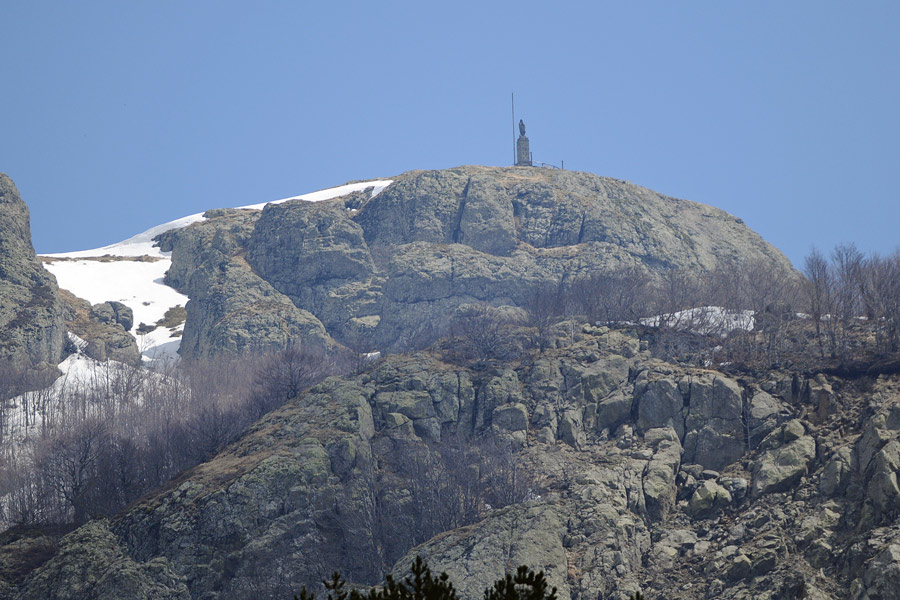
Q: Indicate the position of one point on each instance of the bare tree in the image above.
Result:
(818, 291)
(69, 464)
(481, 334)
(847, 265)
(880, 294)
(283, 375)
(620, 295)
(545, 305)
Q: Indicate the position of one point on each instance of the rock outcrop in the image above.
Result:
(32, 332)
(390, 272)
(586, 457)
(104, 327)
(231, 309)
(91, 564)
(605, 496)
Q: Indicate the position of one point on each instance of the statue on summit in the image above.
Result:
(523, 153)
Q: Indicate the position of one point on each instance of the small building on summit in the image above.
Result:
(523, 151)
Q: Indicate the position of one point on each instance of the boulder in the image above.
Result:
(613, 411)
(763, 417)
(398, 425)
(113, 313)
(100, 327)
(836, 473)
(739, 568)
(882, 488)
(708, 498)
(571, 428)
(510, 417)
(779, 468)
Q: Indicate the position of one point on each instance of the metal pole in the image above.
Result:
(515, 156)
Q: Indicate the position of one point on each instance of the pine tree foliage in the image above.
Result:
(525, 585)
(422, 585)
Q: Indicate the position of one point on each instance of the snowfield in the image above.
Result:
(139, 283)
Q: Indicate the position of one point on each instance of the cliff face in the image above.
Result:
(32, 332)
(624, 472)
(231, 309)
(390, 272)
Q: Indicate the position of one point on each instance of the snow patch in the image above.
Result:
(138, 285)
(705, 320)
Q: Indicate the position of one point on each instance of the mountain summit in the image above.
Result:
(387, 268)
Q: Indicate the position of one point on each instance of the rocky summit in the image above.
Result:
(391, 272)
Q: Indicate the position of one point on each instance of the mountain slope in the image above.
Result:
(583, 455)
(621, 472)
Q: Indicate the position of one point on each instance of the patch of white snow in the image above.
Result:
(705, 320)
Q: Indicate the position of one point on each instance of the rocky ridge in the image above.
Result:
(389, 272)
(681, 481)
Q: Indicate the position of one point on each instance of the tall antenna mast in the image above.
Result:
(515, 159)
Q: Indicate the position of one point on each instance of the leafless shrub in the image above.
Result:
(282, 375)
(545, 305)
(817, 292)
(608, 297)
(480, 334)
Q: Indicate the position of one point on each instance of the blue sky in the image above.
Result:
(117, 116)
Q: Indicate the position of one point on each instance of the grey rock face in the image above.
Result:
(390, 272)
(474, 560)
(659, 476)
(231, 308)
(611, 511)
(660, 404)
(764, 415)
(708, 498)
(713, 421)
(91, 564)
(32, 332)
(317, 256)
(233, 311)
(882, 577)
